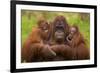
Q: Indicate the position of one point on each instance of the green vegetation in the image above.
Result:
(30, 18)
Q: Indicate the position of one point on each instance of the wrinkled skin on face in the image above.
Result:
(59, 29)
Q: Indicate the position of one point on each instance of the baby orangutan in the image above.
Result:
(76, 41)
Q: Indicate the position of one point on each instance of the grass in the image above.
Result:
(30, 18)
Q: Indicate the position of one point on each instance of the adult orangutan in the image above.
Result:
(78, 44)
(59, 28)
(58, 39)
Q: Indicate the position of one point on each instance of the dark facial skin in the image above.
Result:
(59, 29)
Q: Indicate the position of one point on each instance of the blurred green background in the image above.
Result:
(29, 20)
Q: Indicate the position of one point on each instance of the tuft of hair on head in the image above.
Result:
(76, 27)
